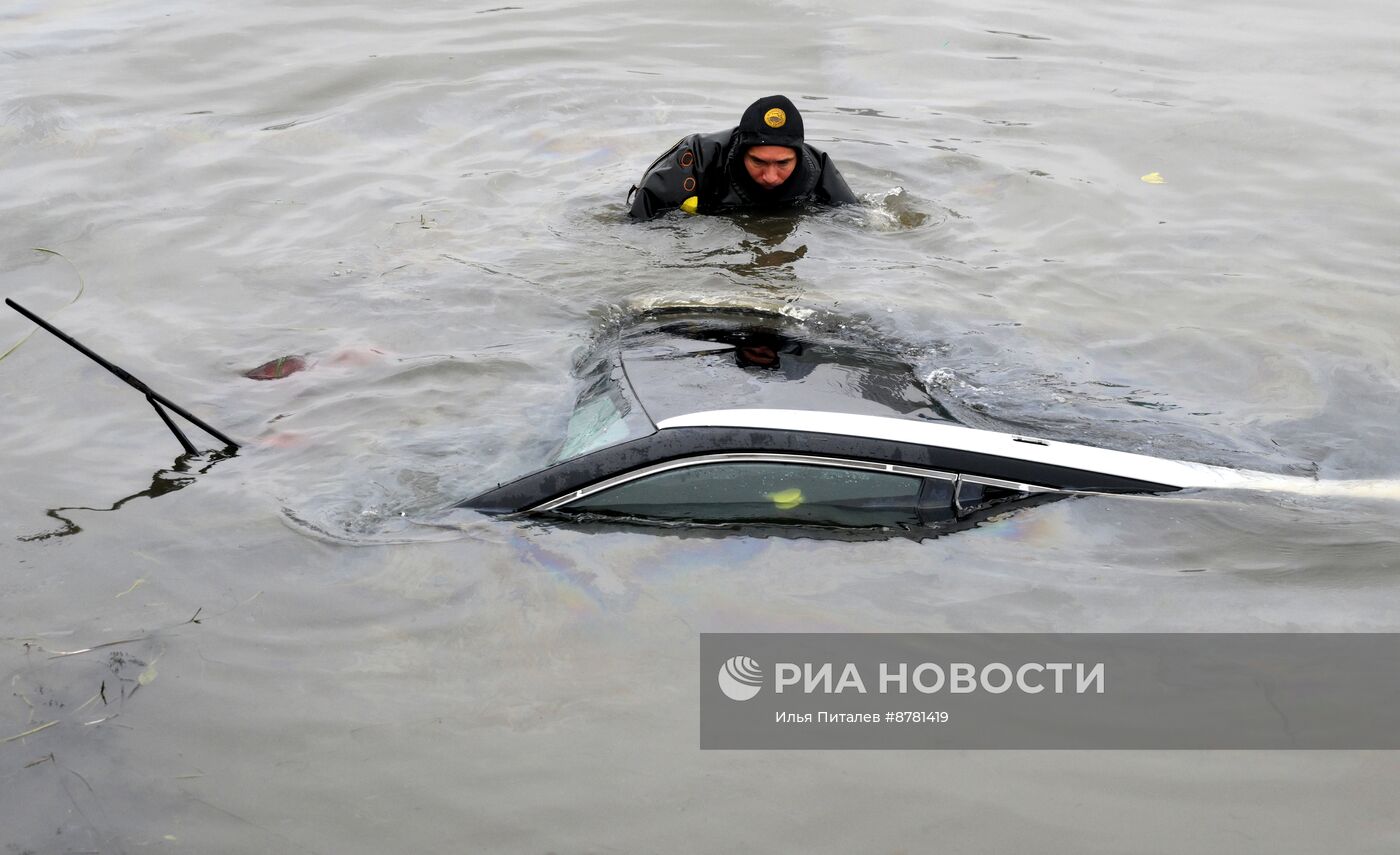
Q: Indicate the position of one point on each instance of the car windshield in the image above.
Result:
(600, 419)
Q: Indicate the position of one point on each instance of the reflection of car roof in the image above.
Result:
(680, 364)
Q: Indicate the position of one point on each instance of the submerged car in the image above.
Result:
(725, 417)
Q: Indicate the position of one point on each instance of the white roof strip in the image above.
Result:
(1172, 473)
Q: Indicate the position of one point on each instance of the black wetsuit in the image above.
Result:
(710, 167)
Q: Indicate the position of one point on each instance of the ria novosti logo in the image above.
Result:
(740, 678)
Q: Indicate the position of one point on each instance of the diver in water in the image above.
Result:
(763, 164)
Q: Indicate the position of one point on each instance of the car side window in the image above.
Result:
(972, 496)
(764, 493)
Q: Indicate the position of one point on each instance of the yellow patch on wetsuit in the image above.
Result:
(691, 205)
(1154, 178)
(775, 118)
(786, 500)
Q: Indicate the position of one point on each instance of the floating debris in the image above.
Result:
(276, 369)
(29, 732)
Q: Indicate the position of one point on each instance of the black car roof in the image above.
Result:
(685, 362)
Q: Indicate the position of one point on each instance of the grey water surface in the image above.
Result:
(1167, 228)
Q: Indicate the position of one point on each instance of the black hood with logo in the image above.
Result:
(770, 121)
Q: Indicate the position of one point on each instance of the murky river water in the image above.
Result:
(425, 201)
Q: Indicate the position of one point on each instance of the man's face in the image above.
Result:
(770, 165)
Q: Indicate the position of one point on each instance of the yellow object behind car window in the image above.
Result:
(786, 500)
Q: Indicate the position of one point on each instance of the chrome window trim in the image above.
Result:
(772, 457)
(1018, 486)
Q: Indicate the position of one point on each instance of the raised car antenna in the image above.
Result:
(153, 396)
